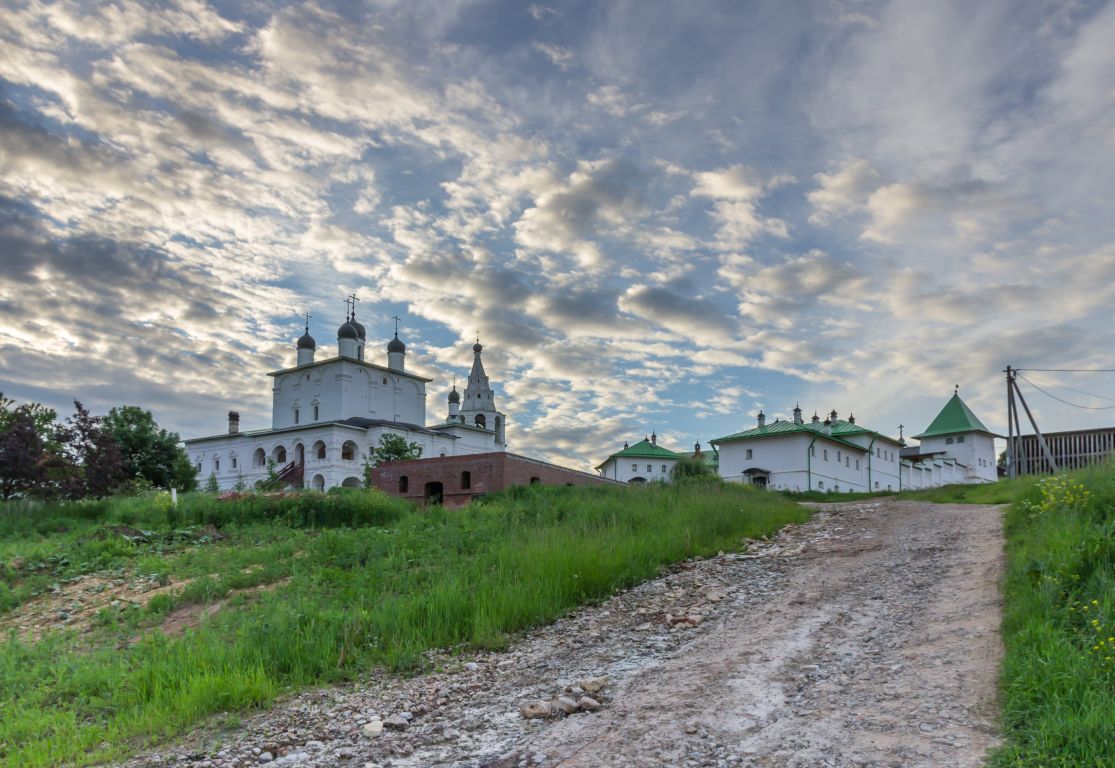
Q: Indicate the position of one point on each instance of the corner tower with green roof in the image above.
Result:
(958, 434)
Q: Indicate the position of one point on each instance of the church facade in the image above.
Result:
(329, 414)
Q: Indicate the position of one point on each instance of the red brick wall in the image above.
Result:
(489, 472)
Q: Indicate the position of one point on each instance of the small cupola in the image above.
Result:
(797, 414)
(762, 419)
(832, 415)
(306, 345)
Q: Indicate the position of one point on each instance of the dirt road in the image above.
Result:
(867, 637)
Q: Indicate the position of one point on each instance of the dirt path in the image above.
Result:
(867, 637)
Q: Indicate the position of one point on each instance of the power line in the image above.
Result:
(1077, 391)
(1068, 370)
(1066, 402)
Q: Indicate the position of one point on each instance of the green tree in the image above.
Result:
(99, 466)
(691, 468)
(150, 452)
(272, 482)
(211, 485)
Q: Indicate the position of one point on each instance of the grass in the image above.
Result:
(1001, 492)
(1058, 675)
(372, 583)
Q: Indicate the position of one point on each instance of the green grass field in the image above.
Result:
(1058, 676)
(358, 581)
(1002, 492)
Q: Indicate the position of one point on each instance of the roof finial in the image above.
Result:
(352, 313)
(307, 315)
(956, 391)
(396, 318)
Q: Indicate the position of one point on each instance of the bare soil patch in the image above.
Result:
(867, 637)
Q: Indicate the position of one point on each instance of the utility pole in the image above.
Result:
(1012, 470)
(1014, 428)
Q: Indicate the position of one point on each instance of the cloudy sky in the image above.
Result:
(656, 215)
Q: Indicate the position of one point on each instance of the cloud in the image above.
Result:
(560, 57)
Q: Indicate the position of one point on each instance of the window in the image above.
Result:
(876, 483)
(663, 469)
(481, 421)
(199, 466)
(216, 465)
(319, 449)
(348, 451)
(466, 480)
(404, 483)
(820, 483)
(879, 452)
(838, 457)
(384, 379)
(295, 415)
(826, 454)
(234, 462)
(634, 467)
(650, 467)
(948, 441)
(847, 461)
(960, 439)
(315, 413)
(749, 453)
(857, 463)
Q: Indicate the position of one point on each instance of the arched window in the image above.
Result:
(319, 449)
(259, 458)
(279, 454)
(466, 480)
(481, 421)
(348, 451)
(404, 483)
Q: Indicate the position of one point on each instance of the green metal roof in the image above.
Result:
(777, 428)
(954, 417)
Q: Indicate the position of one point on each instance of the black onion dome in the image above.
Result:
(306, 341)
(360, 332)
(348, 331)
(478, 347)
(454, 396)
(395, 345)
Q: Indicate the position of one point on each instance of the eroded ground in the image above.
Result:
(867, 637)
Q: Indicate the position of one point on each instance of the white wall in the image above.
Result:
(343, 389)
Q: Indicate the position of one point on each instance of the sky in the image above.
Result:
(657, 216)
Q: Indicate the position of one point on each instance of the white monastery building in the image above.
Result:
(328, 416)
(841, 456)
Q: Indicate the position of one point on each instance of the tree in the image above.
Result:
(211, 485)
(98, 464)
(23, 455)
(150, 452)
(392, 447)
(690, 468)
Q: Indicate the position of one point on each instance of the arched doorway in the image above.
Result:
(536, 481)
(433, 493)
(637, 481)
(351, 482)
(299, 453)
(318, 483)
(259, 458)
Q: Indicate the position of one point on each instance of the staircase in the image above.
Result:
(292, 472)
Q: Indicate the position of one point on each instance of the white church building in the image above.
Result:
(839, 455)
(329, 414)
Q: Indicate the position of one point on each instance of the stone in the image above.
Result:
(565, 704)
(397, 722)
(472, 666)
(265, 757)
(589, 704)
(593, 684)
(534, 708)
(374, 729)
